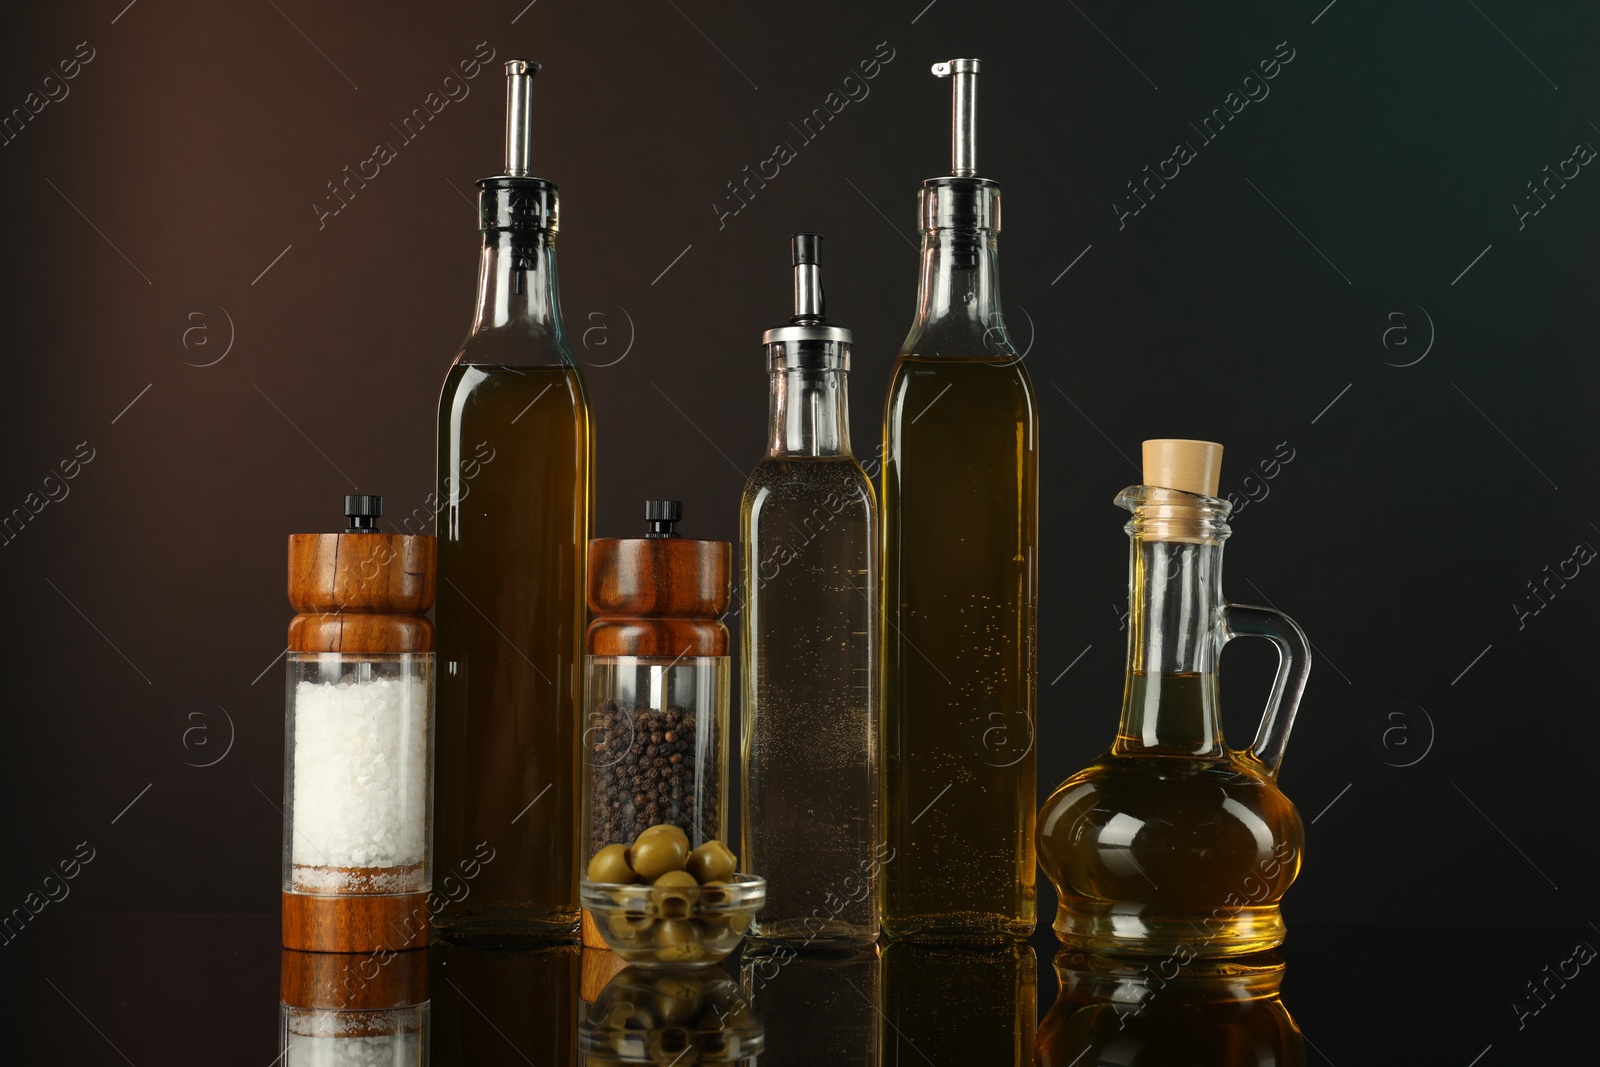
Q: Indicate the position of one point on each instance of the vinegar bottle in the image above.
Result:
(809, 521)
(1173, 844)
(960, 524)
(515, 482)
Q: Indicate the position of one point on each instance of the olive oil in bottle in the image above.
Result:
(1172, 842)
(515, 469)
(810, 758)
(960, 524)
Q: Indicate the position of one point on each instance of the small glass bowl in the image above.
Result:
(655, 926)
(678, 1015)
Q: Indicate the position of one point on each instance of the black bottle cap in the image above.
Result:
(662, 515)
(806, 247)
(363, 513)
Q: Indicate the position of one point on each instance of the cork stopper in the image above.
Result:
(1176, 473)
(1187, 466)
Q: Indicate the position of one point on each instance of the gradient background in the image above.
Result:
(1437, 468)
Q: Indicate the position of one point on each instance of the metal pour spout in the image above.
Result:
(963, 75)
(806, 251)
(519, 115)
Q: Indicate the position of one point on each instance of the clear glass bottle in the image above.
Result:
(809, 812)
(1172, 843)
(960, 527)
(515, 466)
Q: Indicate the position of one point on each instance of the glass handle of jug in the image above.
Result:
(1294, 664)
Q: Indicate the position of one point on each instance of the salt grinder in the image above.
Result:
(655, 740)
(358, 749)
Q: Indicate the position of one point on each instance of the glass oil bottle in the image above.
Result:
(515, 466)
(960, 526)
(1173, 844)
(810, 751)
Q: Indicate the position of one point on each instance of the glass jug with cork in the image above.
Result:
(661, 886)
(358, 750)
(1171, 843)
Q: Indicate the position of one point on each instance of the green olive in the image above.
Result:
(716, 927)
(658, 850)
(734, 1014)
(677, 1009)
(630, 926)
(678, 941)
(610, 864)
(680, 987)
(672, 1046)
(675, 895)
(671, 830)
(678, 880)
(714, 894)
(620, 1015)
(686, 953)
(712, 862)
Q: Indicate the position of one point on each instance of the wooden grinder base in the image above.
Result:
(599, 967)
(357, 923)
(591, 932)
(322, 981)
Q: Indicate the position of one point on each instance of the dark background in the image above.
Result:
(161, 215)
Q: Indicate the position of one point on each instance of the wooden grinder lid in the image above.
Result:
(661, 594)
(361, 590)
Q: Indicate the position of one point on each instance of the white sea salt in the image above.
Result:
(360, 782)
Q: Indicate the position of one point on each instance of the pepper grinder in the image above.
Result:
(655, 739)
(358, 749)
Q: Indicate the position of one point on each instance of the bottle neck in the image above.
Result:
(809, 415)
(958, 297)
(517, 287)
(1170, 704)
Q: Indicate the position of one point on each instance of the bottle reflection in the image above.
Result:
(958, 1004)
(1140, 1013)
(512, 1006)
(670, 1017)
(344, 1009)
(818, 1007)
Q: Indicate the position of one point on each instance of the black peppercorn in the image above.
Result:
(642, 777)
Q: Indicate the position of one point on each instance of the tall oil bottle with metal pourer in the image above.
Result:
(960, 525)
(810, 812)
(515, 471)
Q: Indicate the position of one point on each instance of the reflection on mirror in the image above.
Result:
(1148, 1013)
(818, 1007)
(954, 1004)
(345, 1008)
(670, 1017)
(510, 1007)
